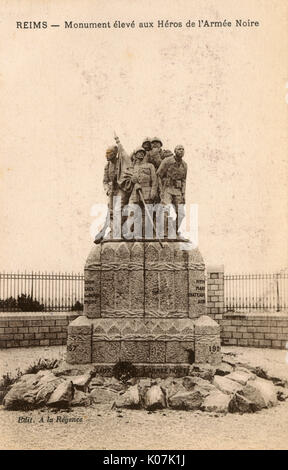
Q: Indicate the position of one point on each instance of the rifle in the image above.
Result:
(139, 190)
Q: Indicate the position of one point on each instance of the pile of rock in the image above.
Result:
(238, 391)
(231, 387)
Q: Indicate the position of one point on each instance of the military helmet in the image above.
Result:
(139, 149)
(147, 139)
(156, 139)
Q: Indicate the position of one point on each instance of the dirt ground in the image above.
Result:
(99, 427)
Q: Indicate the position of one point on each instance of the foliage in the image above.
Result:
(8, 304)
(27, 304)
(77, 307)
(124, 371)
(7, 381)
(41, 364)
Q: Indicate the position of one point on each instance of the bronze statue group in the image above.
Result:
(149, 176)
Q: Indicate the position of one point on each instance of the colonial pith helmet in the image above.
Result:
(139, 149)
(147, 139)
(156, 139)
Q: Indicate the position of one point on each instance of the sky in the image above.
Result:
(219, 92)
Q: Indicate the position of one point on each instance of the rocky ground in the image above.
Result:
(99, 426)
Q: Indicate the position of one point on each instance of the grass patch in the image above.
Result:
(41, 364)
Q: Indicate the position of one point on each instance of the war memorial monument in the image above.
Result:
(144, 300)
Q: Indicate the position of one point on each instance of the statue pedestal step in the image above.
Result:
(150, 342)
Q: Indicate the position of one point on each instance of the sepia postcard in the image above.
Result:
(144, 226)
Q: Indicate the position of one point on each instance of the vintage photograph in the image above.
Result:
(144, 209)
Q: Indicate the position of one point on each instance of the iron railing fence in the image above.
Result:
(39, 291)
(256, 292)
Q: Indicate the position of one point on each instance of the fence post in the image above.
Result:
(32, 293)
(278, 297)
(215, 292)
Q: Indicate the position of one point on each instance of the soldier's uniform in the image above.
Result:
(115, 181)
(144, 175)
(111, 185)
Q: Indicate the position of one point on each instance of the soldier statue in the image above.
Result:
(144, 180)
(115, 183)
(172, 175)
(155, 154)
(146, 145)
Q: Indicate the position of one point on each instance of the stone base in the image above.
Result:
(148, 343)
(144, 280)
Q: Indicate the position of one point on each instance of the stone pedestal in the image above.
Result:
(144, 303)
